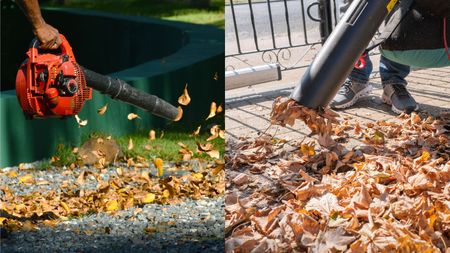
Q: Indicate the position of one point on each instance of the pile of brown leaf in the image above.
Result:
(391, 195)
(128, 187)
(287, 111)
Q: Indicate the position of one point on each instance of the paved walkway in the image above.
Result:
(248, 108)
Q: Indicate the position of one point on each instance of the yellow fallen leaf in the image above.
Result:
(81, 123)
(119, 171)
(151, 135)
(222, 134)
(66, 207)
(166, 193)
(149, 198)
(180, 114)
(212, 110)
(132, 116)
(307, 150)
(130, 144)
(162, 134)
(184, 99)
(112, 205)
(197, 175)
(158, 162)
(12, 173)
(27, 179)
(102, 110)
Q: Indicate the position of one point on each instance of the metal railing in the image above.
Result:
(268, 31)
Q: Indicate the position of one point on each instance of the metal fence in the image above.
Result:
(277, 31)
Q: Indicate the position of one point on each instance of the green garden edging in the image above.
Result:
(157, 56)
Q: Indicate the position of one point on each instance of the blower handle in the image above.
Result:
(65, 48)
(120, 90)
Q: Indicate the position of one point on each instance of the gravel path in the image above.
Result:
(190, 226)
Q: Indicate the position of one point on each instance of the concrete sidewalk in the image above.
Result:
(248, 109)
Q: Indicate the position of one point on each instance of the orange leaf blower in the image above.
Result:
(53, 84)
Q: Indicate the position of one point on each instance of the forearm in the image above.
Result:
(32, 11)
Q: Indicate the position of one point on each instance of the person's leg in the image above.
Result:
(393, 76)
(357, 83)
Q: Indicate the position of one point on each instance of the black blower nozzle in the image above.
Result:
(344, 46)
(122, 91)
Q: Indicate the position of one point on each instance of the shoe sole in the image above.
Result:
(388, 101)
(362, 93)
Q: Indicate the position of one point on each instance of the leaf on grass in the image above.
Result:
(214, 154)
(158, 162)
(184, 99)
(130, 144)
(152, 135)
(132, 116)
(196, 132)
(81, 123)
(102, 110)
(162, 134)
(179, 115)
(215, 130)
(212, 110)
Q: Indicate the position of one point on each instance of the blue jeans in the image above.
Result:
(390, 72)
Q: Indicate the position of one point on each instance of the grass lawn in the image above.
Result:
(178, 10)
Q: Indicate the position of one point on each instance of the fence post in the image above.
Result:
(326, 23)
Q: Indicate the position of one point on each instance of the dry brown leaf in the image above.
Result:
(325, 205)
(219, 109)
(102, 110)
(80, 179)
(152, 135)
(132, 116)
(130, 144)
(214, 154)
(212, 110)
(184, 99)
(197, 131)
(180, 114)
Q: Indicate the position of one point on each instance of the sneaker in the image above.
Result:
(400, 99)
(350, 93)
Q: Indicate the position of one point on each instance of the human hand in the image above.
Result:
(48, 36)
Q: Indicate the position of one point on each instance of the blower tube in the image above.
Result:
(119, 89)
(344, 46)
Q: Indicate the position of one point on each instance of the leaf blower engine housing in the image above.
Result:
(50, 84)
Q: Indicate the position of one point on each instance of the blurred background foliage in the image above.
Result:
(208, 12)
